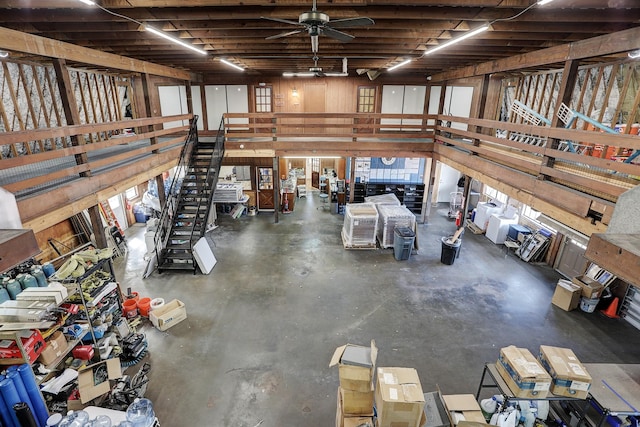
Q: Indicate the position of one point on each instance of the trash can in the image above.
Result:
(449, 250)
(403, 238)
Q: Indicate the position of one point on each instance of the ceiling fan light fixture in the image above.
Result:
(4, 54)
(401, 64)
(458, 39)
(172, 39)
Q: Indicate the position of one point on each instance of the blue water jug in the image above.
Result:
(28, 281)
(48, 269)
(14, 288)
(140, 413)
(40, 276)
(4, 295)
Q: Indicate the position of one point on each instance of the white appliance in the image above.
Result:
(484, 210)
(498, 227)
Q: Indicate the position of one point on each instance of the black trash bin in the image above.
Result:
(403, 238)
(449, 250)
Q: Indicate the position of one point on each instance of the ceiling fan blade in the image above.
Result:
(284, 21)
(351, 22)
(288, 33)
(335, 34)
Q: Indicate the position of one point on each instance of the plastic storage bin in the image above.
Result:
(403, 238)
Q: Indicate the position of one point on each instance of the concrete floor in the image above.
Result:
(263, 325)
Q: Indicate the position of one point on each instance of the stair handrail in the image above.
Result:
(171, 206)
(215, 161)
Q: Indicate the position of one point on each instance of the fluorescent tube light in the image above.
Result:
(303, 74)
(173, 39)
(88, 2)
(403, 63)
(459, 39)
(543, 2)
(231, 64)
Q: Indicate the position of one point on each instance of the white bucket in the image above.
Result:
(588, 305)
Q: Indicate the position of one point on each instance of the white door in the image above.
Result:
(117, 207)
(447, 183)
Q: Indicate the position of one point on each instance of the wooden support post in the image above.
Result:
(96, 224)
(146, 88)
(481, 103)
(569, 77)
(430, 184)
(72, 115)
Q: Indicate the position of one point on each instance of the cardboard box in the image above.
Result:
(356, 366)
(522, 372)
(33, 345)
(463, 407)
(590, 288)
(566, 295)
(343, 420)
(569, 376)
(93, 381)
(399, 398)
(168, 315)
(56, 346)
(356, 402)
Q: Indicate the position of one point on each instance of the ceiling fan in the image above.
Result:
(317, 23)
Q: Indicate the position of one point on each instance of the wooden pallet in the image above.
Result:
(348, 245)
(474, 228)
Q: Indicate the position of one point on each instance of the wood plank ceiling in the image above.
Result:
(237, 31)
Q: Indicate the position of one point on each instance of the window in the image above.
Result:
(366, 99)
(494, 194)
(131, 193)
(525, 210)
(263, 99)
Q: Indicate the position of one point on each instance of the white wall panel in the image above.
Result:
(173, 101)
(392, 103)
(413, 103)
(216, 98)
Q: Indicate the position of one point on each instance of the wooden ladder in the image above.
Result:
(109, 216)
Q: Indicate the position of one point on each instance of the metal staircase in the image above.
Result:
(183, 220)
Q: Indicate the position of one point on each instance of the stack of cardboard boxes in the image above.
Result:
(399, 401)
(556, 371)
(356, 367)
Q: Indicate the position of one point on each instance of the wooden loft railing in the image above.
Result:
(54, 183)
(346, 134)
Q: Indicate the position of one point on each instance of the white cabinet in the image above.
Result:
(498, 227)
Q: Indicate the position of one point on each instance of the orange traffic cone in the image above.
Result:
(612, 310)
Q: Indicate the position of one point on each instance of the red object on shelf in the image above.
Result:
(84, 352)
(32, 342)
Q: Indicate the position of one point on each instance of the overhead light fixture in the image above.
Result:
(543, 2)
(88, 2)
(403, 63)
(303, 74)
(634, 54)
(172, 39)
(231, 64)
(458, 39)
(294, 91)
(4, 54)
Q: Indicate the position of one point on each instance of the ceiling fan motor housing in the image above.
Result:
(313, 18)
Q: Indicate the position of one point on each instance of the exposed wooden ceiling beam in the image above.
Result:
(36, 45)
